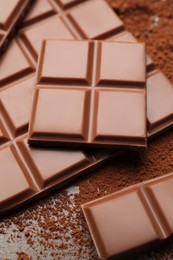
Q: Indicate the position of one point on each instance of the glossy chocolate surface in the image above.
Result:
(133, 220)
(97, 90)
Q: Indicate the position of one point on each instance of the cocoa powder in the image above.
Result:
(54, 227)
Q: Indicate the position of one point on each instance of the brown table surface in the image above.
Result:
(54, 227)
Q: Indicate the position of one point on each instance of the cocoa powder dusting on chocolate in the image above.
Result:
(54, 227)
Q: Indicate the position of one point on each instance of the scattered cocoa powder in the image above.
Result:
(54, 227)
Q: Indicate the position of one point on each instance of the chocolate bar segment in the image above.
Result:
(11, 14)
(120, 64)
(102, 25)
(74, 65)
(20, 186)
(97, 90)
(161, 192)
(110, 103)
(16, 104)
(22, 67)
(160, 105)
(40, 10)
(133, 220)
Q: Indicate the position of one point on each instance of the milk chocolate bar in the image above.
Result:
(72, 20)
(97, 94)
(133, 220)
(12, 12)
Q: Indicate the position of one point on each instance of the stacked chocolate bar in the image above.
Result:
(88, 91)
